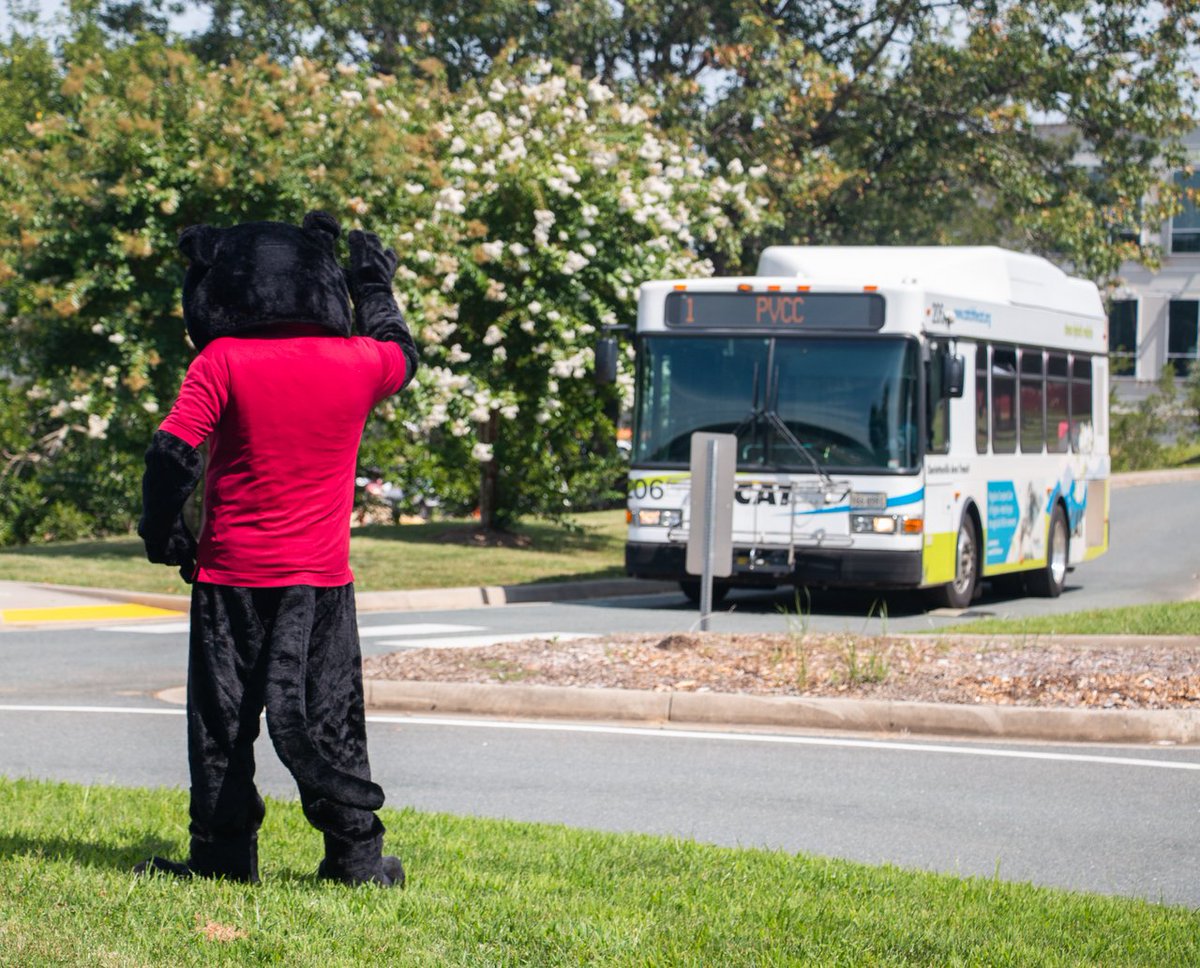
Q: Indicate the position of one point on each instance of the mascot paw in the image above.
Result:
(388, 873)
(172, 868)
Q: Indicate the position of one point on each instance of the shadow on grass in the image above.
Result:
(84, 853)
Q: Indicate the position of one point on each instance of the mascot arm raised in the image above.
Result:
(376, 314)
(173, 469)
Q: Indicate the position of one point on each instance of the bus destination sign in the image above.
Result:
(775, 310)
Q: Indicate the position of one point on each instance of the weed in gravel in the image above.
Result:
(859, 669)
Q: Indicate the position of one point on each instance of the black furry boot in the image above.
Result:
(233, 860)
(360, 862)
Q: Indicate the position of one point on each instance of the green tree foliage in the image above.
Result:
(525, 210)
(895, 121)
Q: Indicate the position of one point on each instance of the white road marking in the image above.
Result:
(147, 628)
(414, 628)
(468, 641)
(364, 631)
(685, 734)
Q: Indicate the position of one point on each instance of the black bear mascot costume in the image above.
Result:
(280, 390)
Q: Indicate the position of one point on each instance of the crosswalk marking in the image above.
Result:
(411, 635)
(471, 641)
(149, 628)
(414, 628)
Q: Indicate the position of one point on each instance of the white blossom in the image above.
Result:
(482, 452)
(493, 250)
(97, 426)
(351, 97)
(573, 263)
(450, 199)
(492, 336)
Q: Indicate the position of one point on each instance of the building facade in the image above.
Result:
(1154, 317)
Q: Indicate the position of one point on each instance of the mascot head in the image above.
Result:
(263, 274)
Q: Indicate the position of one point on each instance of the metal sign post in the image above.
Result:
(710, 530)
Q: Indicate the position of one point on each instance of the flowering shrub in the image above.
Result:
(525, 211)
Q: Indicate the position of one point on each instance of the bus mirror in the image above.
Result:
(953, 371)
(606, 360)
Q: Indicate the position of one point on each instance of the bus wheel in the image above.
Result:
(960, 592)
(691, 589)
(1048, 582)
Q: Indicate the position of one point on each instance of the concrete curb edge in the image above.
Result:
(417, 599)
(870, 716)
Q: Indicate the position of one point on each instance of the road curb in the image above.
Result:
(790, 712)
(417, 599)
(176, 603)
(1171, 476)
(486, 595)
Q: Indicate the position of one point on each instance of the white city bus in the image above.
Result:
(920, 417)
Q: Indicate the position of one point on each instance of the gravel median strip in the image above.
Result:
(1068, 688)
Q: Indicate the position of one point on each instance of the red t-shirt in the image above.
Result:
(284, 413)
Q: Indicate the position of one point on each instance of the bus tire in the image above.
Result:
(1048, 581)
(961, 592)
(691, 590)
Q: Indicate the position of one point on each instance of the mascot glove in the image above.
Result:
(177, 547)
(371, 266)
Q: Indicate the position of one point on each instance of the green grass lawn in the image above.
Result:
(1173, 618)
(382, 557)
(484, 892)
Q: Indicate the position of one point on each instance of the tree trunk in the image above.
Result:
(489, 474)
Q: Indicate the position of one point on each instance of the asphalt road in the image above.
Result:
(78, 704)
(1121, 821)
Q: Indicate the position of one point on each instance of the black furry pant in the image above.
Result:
(294, 651)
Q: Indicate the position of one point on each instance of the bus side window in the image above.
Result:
(1081, 405)
(1058, 414)
(1004, 401)
(981, 398)
(1033, 394)
(937, 402)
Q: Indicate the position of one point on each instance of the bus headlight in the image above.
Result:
(657, 518)
(885, 524)
(873, 524)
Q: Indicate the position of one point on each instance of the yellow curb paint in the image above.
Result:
(84, 613)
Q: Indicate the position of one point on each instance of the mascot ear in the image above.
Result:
(324, 223)
(199, 244)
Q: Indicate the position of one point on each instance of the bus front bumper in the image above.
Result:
(834, 567)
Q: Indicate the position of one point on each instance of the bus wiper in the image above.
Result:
(776, 421)
(756, 412)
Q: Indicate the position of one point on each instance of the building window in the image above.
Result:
(1185, 227)
(1181, 334)
(1122, 337)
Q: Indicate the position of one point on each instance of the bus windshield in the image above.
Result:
(850, 403)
